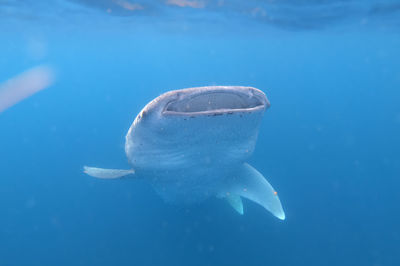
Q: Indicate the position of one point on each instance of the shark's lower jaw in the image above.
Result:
(218, 100)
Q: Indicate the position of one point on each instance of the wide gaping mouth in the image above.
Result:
(205, 100)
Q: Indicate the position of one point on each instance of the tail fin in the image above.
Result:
(236, 202)
(251, 184)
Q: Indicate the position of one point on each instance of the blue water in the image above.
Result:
(330, 143)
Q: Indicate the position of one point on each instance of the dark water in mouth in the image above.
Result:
(329, 143)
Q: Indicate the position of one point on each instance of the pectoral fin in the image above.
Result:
(247, 182)
(106, 173)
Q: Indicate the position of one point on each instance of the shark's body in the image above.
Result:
(192, 144)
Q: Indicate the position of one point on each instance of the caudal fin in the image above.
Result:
(106, 173)
(236, 202)
(247, 182)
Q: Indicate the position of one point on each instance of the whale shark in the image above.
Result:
(193, 144)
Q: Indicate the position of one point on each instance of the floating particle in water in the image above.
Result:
(24, 85)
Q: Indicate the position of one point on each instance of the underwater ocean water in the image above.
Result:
(329, 143)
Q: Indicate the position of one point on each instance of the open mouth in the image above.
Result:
(217, 100)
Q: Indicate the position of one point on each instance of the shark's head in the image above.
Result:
(217, 123)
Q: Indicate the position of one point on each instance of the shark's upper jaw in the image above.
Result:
(215, 100)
